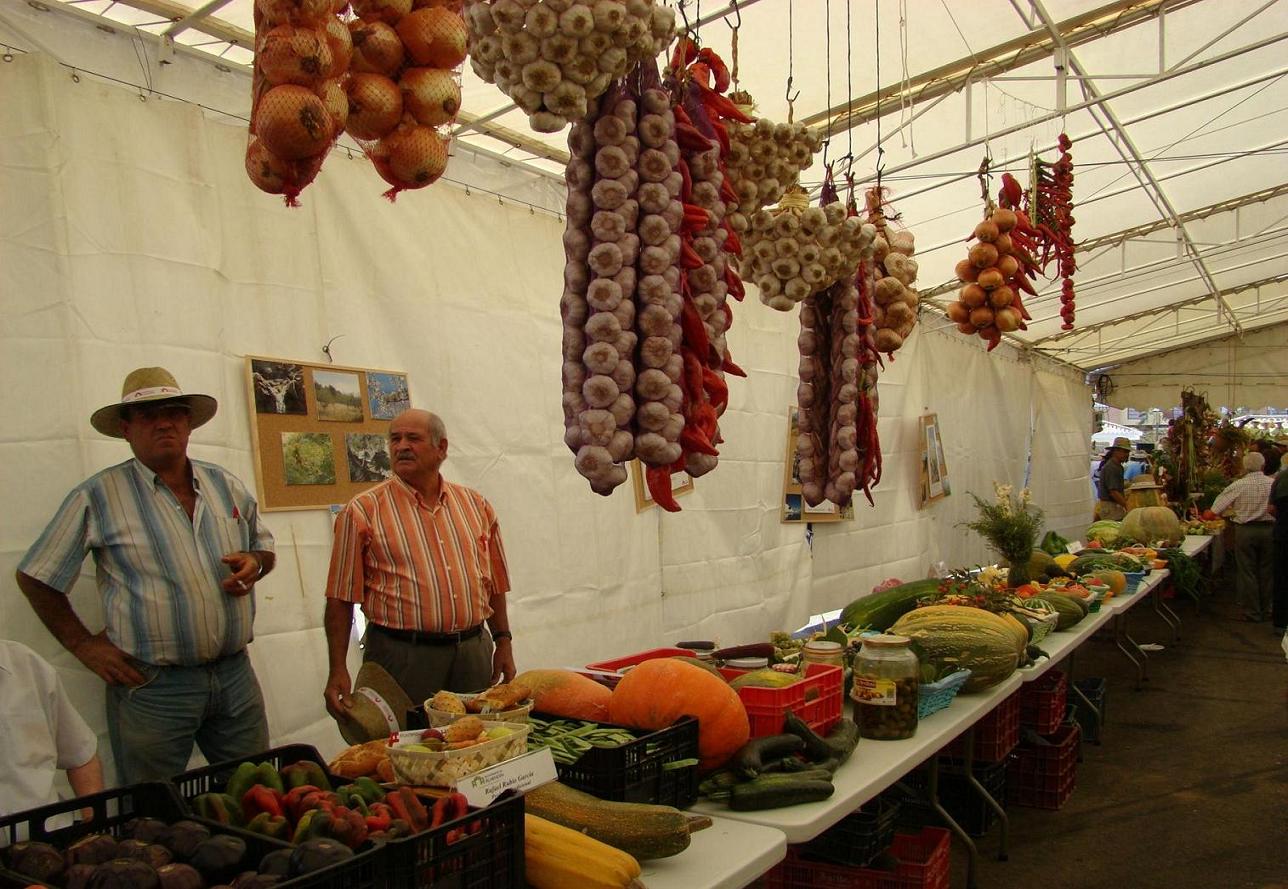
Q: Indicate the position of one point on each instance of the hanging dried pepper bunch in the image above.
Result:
(1050, 206)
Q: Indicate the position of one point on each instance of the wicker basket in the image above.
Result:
(439, 718)
(935, 696)
(426, 768)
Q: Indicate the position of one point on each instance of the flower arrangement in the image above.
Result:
(1011, 525)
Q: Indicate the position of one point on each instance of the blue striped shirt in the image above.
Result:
(158, 573)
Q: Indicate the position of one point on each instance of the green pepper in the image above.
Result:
(304, 772)
(274, 826)
(220, 808)
(267, 775)
(241, 781)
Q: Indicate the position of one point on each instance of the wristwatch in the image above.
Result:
(502, 634)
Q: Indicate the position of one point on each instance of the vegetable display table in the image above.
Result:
(1193, 544)
(1120, 605)
(1063, 646)
(727, 855)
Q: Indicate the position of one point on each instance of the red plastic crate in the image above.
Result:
(995, 735)
(817, 699)
(617, 666)
(1042, 702)
(923, 864)
(1043, 776)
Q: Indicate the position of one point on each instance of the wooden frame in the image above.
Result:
(681, 483)
(934, 469)
(794, 509)
(319, 431)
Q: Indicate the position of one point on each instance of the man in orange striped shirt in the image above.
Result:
(424, 558)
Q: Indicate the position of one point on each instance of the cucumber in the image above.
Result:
(754, 756)
(879, 611)
(777, 792)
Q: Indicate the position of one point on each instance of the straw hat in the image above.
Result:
(1144, 480)
(377, 707)
(146, 385)
(1122, 442)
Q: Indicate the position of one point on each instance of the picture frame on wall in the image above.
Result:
(319, 431)
(681, 483)
(934, 483)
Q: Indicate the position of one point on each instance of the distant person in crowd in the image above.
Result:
(43, 733)
(1111, 496)
(424, 558)
(1248, 499)
(178, 546)
(1137, 465)
(1279, 543)
(1274, 459)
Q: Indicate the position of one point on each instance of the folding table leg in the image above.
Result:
(1121, 639)
(1097, 713)
(1163, 610)
(932, 796)
(968, 741)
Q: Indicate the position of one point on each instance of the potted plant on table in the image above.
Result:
(1011, 525)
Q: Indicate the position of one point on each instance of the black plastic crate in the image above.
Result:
(956, 795)
(1094, 689)
(858, 837)
(637, 772)
(488, 856)
(213, 778)
(114, 808)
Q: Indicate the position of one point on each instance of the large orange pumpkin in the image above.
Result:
(658, 692)
(567, 694)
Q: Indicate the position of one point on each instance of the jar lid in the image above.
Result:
(822, 645)
(747, 663)
(886, 640)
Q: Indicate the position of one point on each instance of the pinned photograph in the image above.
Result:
(387, 395)
(307, 458)
(339, 399)
(368, 455)
(279, 387)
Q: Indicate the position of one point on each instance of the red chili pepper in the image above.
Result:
(439, 813)
(716, 387)
(727, 194)
(659, 487)
(693, 441)
(695, 332)
(733, 243)
(414, 811)
(689, 258)
(686, 181)
(730, 368)
(717, 68)
(1011, 193)
(722, 136)
(685, 52)
(721, 105)
(691, 379)
(689, 138)
(736, 289)
(700, 73)
(695, 219)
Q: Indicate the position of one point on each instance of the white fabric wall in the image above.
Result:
(1247, 371)
(129, 236)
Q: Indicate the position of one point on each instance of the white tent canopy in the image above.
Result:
(131, 236)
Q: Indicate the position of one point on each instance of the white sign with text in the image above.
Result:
(521, 773)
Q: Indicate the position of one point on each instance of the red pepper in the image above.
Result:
(408, 807)
(721, 105)
(261, 799)
(659, 487)
(1011, 193)
(439, 812)
(717, 67)
(693, 441)
(727, 194)
(695, 332)
(689, 258)
(689, 138)
(686, 51)
(733, 243)
(716, 387)
(722, 136)
(736, 288)
(730, 368)
(686, 181)
(695, 218)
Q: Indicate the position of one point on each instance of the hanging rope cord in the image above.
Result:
(876, 6)
(791, 60)
(827, 13)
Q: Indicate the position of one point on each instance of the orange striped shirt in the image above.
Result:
(417, 566)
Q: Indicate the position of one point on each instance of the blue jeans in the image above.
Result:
(153, 726)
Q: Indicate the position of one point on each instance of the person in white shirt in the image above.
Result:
(1248, 499)
(40, 733)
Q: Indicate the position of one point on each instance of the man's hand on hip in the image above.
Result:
(111, 664)
(338, 689)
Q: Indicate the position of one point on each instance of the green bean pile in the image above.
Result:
(568, 739)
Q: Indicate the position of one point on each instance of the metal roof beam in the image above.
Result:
(1016, 53)
(1140, 231)
(191, 19)
(1109, 360)
(1159, 310)
(1141, 170)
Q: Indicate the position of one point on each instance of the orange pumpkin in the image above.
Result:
(658, 692)
(567, 694)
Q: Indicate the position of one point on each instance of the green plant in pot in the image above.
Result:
(1011, 524)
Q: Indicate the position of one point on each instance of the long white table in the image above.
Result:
(727, 855)
(1193, 544)
(874, 766)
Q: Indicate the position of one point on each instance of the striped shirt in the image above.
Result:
(1249, 497)
(417, 566)
(158, 572)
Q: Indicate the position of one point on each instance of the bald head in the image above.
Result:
(431, 423)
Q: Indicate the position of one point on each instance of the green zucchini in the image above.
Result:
(879, 611)
(816, 748)
(842, 739)
(753, 757)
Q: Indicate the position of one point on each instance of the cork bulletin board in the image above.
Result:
(320, 431)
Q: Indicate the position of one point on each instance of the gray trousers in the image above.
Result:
(423, 670)
(1254, 566)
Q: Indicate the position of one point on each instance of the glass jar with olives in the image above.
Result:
(885, 689)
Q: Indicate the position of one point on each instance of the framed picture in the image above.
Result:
(681, 483)
(934, 469)
(387, 395)
(320, 432)
(795, 509)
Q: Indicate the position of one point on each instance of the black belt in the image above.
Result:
(416, 637)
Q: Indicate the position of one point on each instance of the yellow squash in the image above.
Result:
(557, 857)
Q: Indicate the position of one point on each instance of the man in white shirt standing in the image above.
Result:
(40, 733)
(1248, 498)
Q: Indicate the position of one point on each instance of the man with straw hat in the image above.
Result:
(1111, 497)
(178, 546)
